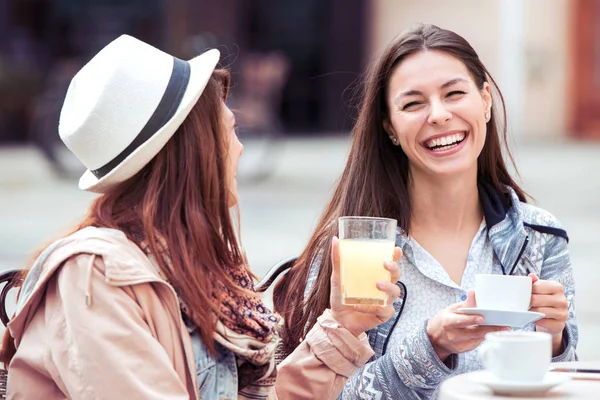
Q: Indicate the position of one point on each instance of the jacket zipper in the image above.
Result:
(520, 255)
(404, 296)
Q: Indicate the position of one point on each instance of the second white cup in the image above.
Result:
(517, 356)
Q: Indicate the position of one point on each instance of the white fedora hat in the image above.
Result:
(124, 105)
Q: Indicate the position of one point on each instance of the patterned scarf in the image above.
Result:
(249, 329)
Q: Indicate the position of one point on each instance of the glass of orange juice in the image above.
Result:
(365, 243)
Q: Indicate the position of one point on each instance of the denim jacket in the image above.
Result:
(217, 376)
(524, 239)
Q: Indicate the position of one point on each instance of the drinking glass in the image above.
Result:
(365, 243)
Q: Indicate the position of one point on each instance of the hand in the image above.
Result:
(451, 332)
(548, 297)
(360, 318)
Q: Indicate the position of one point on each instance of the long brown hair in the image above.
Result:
(372, 185)
(182, 195)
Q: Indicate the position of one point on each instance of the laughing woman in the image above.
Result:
(151, 297)
(427, 151)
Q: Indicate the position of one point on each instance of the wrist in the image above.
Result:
(439, 350)
(557, 344)
(344, 324)
(356, 333)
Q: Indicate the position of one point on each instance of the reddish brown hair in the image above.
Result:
(372, 185)
(182, 195)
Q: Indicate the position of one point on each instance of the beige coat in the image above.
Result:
(101, 324)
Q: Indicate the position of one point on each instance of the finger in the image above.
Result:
(385, 313)
(392, 290)
(380, 311)
(473, 332)
(335, 261)
(547, 287)
(549, 300)
(471, 302)
(457, 321)
(552, 313)
(534, 277)
(397, 254)
(394, 269)
(550, 325)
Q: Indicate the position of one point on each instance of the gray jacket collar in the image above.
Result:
(505, 227)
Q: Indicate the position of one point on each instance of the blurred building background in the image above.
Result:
(295, 65)
(293, 59)
(544, 53)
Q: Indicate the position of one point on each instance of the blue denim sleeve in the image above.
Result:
(557, 267)
(411, 370)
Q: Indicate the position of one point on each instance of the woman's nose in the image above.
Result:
(438, 114)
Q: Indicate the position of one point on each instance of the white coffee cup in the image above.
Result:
(517, 356)
(503, 292)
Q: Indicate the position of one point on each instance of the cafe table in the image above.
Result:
(581, 386)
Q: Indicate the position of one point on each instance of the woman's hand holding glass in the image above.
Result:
(360, 318)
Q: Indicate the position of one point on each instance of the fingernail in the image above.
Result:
(480, 320)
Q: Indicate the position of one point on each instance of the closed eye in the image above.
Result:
(455, 93)
(409, 105)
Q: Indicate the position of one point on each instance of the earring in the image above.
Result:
(487, 116)
(395, 140)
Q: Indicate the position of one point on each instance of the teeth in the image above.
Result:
(446, 140)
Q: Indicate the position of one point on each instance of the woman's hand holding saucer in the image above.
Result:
(451, 332)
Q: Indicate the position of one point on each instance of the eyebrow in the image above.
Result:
(417, 92)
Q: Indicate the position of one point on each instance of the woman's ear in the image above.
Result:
(486, 97)
(387, 127)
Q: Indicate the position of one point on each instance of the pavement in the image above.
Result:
(284, 186)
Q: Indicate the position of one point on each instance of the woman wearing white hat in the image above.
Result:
(150, 298)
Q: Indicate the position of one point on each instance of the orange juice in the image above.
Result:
(361, 266)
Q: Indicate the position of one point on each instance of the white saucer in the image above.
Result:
(512, 388)
(515, 319)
